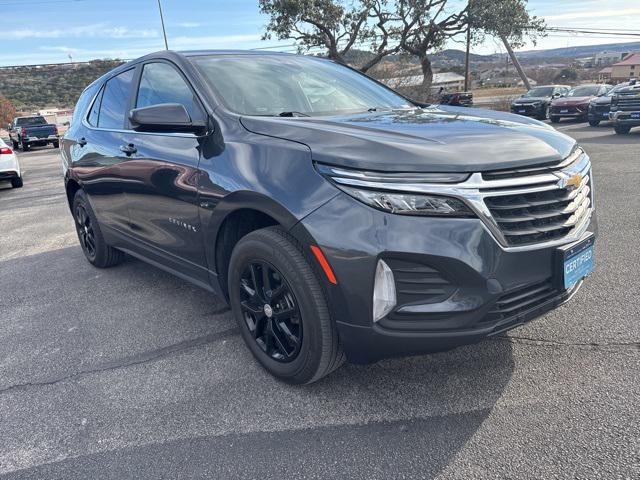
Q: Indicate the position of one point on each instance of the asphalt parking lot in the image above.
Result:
(132, 373)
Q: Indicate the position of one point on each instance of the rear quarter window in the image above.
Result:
(82, 105)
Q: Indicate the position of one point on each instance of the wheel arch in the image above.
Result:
(239, 214)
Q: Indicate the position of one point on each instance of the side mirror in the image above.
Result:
(165, 118)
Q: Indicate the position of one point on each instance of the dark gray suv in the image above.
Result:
(337, 218)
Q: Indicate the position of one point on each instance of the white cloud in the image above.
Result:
(621, 12)
(213, 41)
(189, 24)
(86, 31)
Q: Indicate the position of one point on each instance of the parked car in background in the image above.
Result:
(625, 109)
(456, 99)
(9, 166)
(26, 132)
(600, 107)
(337, 218)
(536, 102)
(576, 103)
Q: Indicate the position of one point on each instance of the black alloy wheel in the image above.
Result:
(271, 311)
(85, 231)
(279, 303)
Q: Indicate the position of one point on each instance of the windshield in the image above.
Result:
(539, 92)
(616, 89)
(272, 85)
(30, 121)
(587, 91)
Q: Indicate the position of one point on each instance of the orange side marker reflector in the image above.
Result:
(324, 264)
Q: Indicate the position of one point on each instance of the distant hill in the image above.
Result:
(34, 87)
(580, 51)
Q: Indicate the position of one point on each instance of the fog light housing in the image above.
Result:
(384, 291)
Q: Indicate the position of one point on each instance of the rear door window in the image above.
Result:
(115, 101)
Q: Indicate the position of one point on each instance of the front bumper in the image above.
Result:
(568, 112)
(529, 110)
(456, 284)
(623, 117)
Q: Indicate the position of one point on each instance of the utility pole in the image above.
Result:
(164, 32)
(467, 72)
(515, 62)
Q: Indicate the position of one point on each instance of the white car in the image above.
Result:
(9, 166)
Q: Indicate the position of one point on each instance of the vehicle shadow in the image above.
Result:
(160, 366)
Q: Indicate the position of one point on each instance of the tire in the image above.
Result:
(545, 114)
(25, 146)
(622, 129)
(554, 119)
(292, 286)
(97, 251)
(16, 182)
(56, 144)
(15, 144)
(594, 123)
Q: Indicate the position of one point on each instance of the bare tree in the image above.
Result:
(426, 26)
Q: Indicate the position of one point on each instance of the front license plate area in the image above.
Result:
(564, 111)
(635, 115)
(521, 111)
(575, 262)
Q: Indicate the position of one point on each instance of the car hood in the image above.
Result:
(571, 102)
(602, 100)
(521, 100)
(437, 139)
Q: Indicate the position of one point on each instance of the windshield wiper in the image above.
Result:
(293, 114)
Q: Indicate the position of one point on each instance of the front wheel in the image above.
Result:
(594, 123)
(622, 129)
(544, 115)
(281, 308)
(95, 248)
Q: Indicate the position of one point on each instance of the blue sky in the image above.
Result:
(38, 31)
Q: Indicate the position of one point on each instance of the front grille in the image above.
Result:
(521, 300)
(601, 109)
(629, 103)
(540, 210)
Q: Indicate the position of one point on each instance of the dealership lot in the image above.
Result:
(130, 372)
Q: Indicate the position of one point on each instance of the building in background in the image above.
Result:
(607, 58)
(627, 69)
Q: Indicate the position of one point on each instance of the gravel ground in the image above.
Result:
(131, 373)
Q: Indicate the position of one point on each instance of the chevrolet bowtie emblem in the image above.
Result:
(570, 181)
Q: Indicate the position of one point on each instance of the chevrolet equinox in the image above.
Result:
(339, 220)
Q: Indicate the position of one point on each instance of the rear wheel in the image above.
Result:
(15, 144)
(56, 144)
(281, 308)
(97, 251)
(16, 182)
(25, 146)
(594, 123)
(622, 129)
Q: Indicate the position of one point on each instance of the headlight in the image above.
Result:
(384, 191)
(410, 203)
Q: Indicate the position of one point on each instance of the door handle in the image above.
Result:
(129, 149)
(82, 142)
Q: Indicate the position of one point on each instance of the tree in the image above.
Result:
(506, 19)
(7, 111)
(426, 26)
(335, 25)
